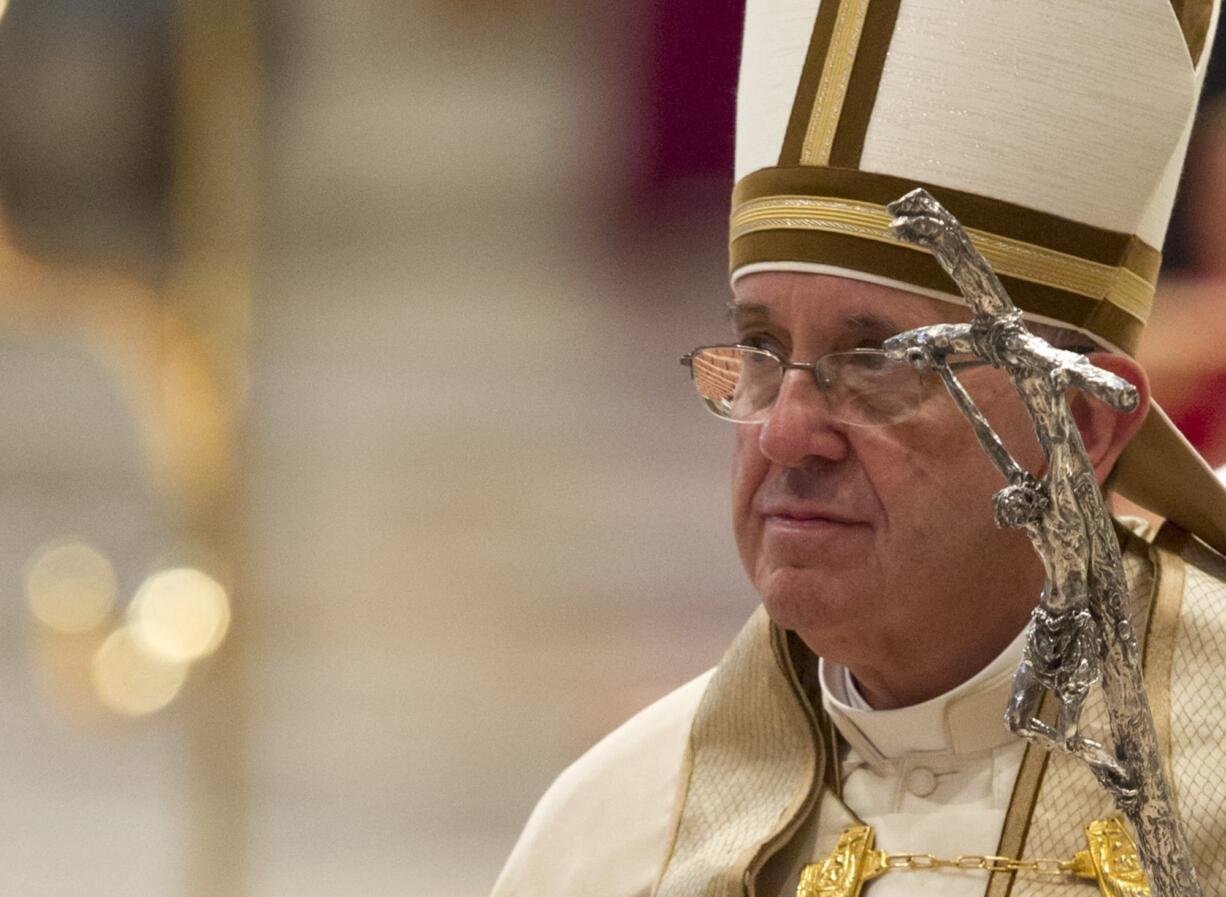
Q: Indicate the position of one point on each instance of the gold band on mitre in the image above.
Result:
(1097, 281)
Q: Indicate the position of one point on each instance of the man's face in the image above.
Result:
(872, 542)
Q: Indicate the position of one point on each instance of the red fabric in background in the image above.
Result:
(1203, 420)
(690, 104)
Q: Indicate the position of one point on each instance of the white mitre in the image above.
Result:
(1054, 130)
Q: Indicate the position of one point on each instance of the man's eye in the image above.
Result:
(764, 341)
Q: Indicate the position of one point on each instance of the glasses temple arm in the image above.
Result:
(991, 443)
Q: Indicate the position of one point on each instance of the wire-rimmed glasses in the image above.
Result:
(862, 387)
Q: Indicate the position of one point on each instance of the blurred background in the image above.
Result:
(350, 484)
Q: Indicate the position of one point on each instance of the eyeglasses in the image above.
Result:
(862, 387)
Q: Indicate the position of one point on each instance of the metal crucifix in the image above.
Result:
(1079, 633)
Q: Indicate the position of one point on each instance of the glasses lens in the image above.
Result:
(868, 389)
(736, 383)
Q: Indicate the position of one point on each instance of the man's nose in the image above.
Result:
(800, 425)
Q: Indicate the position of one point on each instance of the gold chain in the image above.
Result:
(991, 863)
(1110, 858)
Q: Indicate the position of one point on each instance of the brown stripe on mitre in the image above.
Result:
(762, 237)
(810, 78)
(902, 264)
(865, 79)
(850, 101)
(1194, 18)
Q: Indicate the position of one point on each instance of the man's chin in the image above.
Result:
(807, 600)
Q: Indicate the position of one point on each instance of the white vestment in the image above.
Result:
(934, 778)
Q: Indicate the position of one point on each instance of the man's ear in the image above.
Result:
(1104, 430)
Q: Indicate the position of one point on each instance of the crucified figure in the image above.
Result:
(1079, 632)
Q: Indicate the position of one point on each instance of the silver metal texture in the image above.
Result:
(1079, 634)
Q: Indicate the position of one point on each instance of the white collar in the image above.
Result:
(967, 719)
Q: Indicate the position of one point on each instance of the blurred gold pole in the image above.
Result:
(215, 203)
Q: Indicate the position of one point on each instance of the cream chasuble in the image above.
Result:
(730, 785)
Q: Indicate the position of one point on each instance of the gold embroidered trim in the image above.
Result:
(1022, 803)
(1158, 653)
(1110, 859)
(754, 765)
(1013, 258)
(832, 88)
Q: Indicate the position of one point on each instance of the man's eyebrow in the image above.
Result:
(874, 327)
(865, 326)
(739, 312)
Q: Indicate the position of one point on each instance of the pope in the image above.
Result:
(852, 740)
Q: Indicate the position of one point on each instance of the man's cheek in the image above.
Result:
(746, 441)
(748, 465)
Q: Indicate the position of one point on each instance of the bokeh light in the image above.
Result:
(70, 586)
(181, 614)
(130, 679)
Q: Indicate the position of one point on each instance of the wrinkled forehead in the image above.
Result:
(832, 308)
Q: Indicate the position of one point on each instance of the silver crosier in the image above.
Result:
(1079, 633)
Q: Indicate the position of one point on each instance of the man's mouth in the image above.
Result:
(797, 515)
(805, 525)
